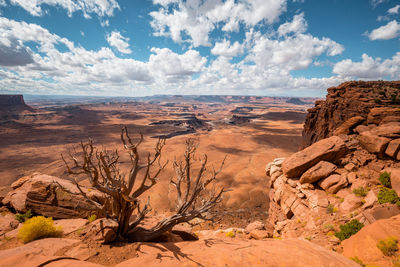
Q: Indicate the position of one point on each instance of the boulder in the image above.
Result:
(334, 183)
(378, 114)
(260, 234)
(395, 180)
(351, 177)
(43, 195)
(339, 185)
(389, 130)
(329, 181)
(393, 148)
(362, 128)
(370, 199)
(329, 149)
(351, 202)
(363, 244)
(319, 171)
(348, 125)
(256, 225)
(373, 143)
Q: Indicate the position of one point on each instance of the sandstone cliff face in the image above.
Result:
(11, 100)
(372, 101)
(13, 104)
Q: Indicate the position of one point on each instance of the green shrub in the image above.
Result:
(387, 195)
(384, 178)
(38, 227)
(24, 216)
(388, 246)
(349, 229)
(92, 218)
(331, 209)
(361, 191)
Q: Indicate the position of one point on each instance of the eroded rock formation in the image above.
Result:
(351, 138)
(43, 195)
(346, 103)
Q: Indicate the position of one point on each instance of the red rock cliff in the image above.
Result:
(10, 103)
(370, 100)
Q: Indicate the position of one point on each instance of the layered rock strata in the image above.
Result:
(351, 104)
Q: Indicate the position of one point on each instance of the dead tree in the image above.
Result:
(122, 193)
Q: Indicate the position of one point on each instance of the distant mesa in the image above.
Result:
(13, 104)
(296, 101)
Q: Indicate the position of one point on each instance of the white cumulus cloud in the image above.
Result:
(225, 48)
(99, 7)
(120, 42)
(369, 68)
(394, 10)
(298, 25)
(386, 32)
(197, 19)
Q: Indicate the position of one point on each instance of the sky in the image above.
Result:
(221, 47)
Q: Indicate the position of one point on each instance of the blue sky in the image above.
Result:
(241, 47)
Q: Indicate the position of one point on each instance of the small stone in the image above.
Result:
(256, 225)
(260, 234)
(370, 199)
(351, 177)
(351, 202)
(393, 148)
(350, 167)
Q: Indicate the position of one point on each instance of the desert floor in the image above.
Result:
(34, 142)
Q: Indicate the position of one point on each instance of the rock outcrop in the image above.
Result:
(13, 103)
(317, 186)
(375, 102)
(223, 252)
(350, 139)
(43, 195)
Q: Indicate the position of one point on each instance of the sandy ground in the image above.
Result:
(34, 143)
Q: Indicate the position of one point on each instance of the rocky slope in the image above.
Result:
(336, 179)
(369, 102)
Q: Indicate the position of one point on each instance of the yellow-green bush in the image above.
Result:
(38, 227)
(230, 234)
(388, 246)
(92, 218)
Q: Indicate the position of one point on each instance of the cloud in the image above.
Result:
(225, 49)
(120, 42)
(292, 53)
(369, 68)
(376, 3)
(298, 25)
(172, 67)
(386, 32)
(394, 10)
(99, 7)
(14, 53)
(197, 19)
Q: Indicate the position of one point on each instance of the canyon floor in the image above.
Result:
(250, 131)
